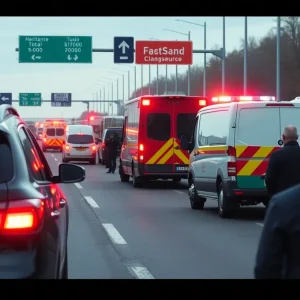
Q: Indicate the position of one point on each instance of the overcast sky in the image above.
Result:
(84, 79)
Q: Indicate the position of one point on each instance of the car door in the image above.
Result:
(56, 209)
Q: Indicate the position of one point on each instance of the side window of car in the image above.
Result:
(34, 163)
(46, 169)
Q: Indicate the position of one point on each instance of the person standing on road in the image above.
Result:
(284, 164)
(112, 149)
(278, 253)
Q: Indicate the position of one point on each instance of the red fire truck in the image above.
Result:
(152, 129)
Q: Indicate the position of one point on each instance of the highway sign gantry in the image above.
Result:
(123, 50)
(55, 49)
(6, 98)
(61, 99)
(164, 52)
(30, 99)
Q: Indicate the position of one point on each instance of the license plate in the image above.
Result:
(182, 169)
(80, 149)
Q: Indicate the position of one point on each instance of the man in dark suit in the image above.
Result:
(284, 165)
(278, 253)
(112, 148)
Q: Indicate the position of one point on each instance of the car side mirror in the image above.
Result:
(184, 142)
(69, 173)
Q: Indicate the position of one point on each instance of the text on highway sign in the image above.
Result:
(30, 99)
(164, 52)
(123, 50)
(55, 49)
(61, 99)
(6, 98)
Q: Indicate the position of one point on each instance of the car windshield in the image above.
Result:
(80, 139)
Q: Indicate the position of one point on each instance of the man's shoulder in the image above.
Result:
(289, 195)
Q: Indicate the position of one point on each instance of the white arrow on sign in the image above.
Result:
(33, 57)
(69, 57)
(4, 98)
(124, 45)
(75, 57)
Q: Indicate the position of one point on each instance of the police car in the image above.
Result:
(230, 149)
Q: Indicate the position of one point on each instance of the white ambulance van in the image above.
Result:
(80, 144)
(230, 149)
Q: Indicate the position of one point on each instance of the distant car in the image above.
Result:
(102, 155)
(34, 213)
(80, 144)
(39, 133)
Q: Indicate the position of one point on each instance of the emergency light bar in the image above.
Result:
(146, 102)
(223, 99)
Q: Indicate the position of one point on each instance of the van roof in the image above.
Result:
(248, 104)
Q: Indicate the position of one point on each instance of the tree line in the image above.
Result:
(261, 68)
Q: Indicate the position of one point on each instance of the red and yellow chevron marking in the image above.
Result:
(54, 142)
(211, 150)
(247, 166)
(166, 152)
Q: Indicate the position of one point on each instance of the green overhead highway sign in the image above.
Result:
(55, 49)
(30, 99)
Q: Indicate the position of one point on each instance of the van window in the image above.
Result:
(119, 132)
(258, 126)
(159, 126)
(290, 116)
(185, 124)
(60, 131)
(213, 128)
(50, 131)
(80, 139)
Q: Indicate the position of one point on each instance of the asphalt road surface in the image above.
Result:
(117, 231)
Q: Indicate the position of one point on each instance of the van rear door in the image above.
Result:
(185, 111)
(156, 134)
(256, 137)
(290, 116)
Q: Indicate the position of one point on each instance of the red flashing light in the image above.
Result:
(146, 102)
(79, 133)
(202, 102)
(141, 147)
(242, 98)
(92, 118)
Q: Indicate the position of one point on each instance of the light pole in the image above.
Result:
(278, 59)
(204, 69)
(189, 67)
(104, 93)
(129, 81)
(245, 55)
(128, 73)
(224, 53)
(112, 89)
(123, 83)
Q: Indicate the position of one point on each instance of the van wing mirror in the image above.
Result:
(69, 173)
(184, 142)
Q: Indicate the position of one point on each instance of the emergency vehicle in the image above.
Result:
(54, 134)
(39, 130)
(230, 149)
(152, 128)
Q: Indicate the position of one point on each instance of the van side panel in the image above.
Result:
(257, 136)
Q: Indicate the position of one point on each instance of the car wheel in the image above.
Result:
(136, 181)
(124, 177)
(93, 161)
(226, 206)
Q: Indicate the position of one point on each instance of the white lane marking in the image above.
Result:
(55, 159)
(114, 234)
(141, 272)
(91, 202)
(260, 224)
(179, 192)
(79, 186)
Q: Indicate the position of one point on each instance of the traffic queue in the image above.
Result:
(221, 145)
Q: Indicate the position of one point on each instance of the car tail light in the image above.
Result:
(21, 216)
(231, 163)
(202, 102)
(94, 148)
(145, 102)
(141, 152)
(45, 140)
(67, 148)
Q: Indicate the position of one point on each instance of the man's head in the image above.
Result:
(289, 134)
